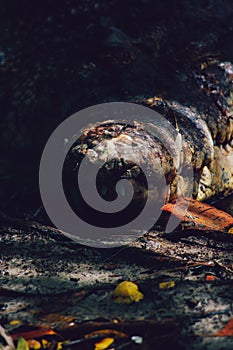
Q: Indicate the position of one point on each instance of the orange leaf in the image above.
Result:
(210, 278)
(34, 344)
(32, 334)
(104, 343)
(200, 216)
(227, 331)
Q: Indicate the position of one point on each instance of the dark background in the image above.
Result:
(57, 57)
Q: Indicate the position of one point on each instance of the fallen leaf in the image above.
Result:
(166, 285)
(200, 216)
(59, 345)
(210, 278)
(127, 292)
(44, 343)
(15, 322)
(36, 332)
(227, 330)
(104, 343)
(34, 344)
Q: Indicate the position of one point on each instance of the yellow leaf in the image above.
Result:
(34, 344)
(127, 292)
(22, 344)
(15, 322)
(45, 343)
(166, 285)
(104, 343)
(59, 345)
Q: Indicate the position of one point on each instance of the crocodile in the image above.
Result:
(205, 128)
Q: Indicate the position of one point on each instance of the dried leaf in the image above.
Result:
(59, 345)
(104, 343)
(32, 334)
(166, 285)
(210, 278)
(200, 216)
(227, 330)
(44, 343)
(126, 293)
(34, 344)
(15, 322)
